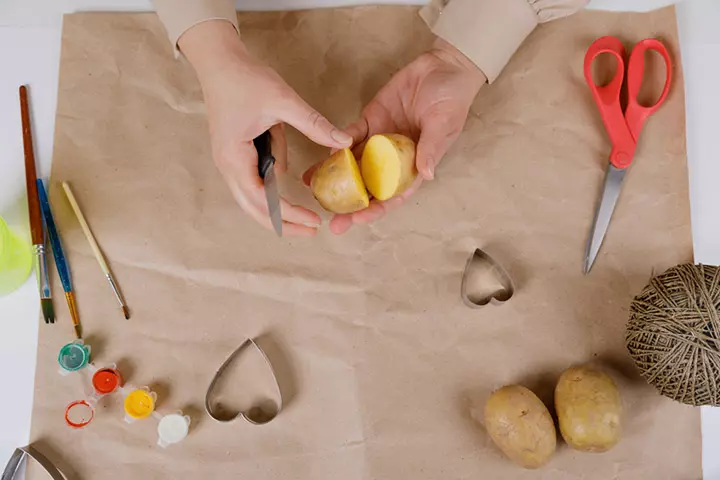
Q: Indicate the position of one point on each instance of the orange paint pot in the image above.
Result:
(106, 381)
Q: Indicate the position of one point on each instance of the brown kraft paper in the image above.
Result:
(383, 367)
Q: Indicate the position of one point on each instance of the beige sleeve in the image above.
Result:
(179, 17)
(489, 32)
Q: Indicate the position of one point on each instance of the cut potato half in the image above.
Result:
(388, 165)
(338, 185)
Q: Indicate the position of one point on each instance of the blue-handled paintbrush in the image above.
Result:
(60, 261)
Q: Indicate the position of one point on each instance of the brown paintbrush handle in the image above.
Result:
(36, 230)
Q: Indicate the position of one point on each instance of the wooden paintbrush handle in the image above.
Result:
(86, 228)
(36, 230)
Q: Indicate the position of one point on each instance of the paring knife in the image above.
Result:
(266, 170)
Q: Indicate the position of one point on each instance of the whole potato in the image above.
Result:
(520, 424)
(588, 409)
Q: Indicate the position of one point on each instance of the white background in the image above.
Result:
(29, 54)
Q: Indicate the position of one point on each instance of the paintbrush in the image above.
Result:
(45, 292)
(36, 222)
(60, 261)
(95, 248)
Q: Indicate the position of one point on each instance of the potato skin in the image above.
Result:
(589, 409)
(337, 184)
(521, 426)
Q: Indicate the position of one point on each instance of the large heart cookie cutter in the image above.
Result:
(12, 469)
(485, 281)
(256, 415)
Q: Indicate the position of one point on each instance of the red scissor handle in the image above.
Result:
(636, 114)
(624, 129)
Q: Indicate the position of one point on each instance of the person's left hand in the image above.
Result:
(428, 101)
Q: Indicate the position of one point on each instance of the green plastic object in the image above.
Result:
(74, 356)
(15, 260)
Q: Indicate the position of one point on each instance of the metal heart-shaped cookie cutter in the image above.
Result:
(256, 415)
(485, 281)
(12, 469)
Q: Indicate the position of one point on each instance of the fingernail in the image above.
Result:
(340, 232)
(341, 137)
(431, 168)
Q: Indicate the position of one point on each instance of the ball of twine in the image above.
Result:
(673, 334)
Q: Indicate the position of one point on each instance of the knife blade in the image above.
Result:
(266, 170)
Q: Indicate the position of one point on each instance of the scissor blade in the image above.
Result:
(613, 181)
(273, 200)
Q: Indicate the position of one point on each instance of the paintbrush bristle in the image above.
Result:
(126, 312)
(48, 310)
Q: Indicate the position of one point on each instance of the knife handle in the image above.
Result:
(264, 151)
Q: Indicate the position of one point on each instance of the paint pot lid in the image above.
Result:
(73, 356)
(139, 404)
(79, 414)
(173, 428)
(106, 380)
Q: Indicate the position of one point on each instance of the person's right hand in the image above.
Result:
(244, 98)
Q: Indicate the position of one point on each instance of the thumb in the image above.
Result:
(436, 137)
(312, 124)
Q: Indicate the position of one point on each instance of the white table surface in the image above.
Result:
(29, 54)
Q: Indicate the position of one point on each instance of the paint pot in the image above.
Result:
(139, 404)
(106, 381)
(73, 357)
(79, 414)
(173, 428)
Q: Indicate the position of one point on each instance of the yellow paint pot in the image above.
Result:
(140, 404)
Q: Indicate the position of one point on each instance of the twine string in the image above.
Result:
(673, 333)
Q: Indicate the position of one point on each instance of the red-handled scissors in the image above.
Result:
(622, 128)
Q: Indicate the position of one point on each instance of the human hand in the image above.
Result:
(244, 98)
(428, 101)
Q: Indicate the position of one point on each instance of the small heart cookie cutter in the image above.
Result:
(485, 281)
(256, 415)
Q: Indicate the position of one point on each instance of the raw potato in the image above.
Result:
(588, 409)
(388, 165)
(520, 424)
(337, 184)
